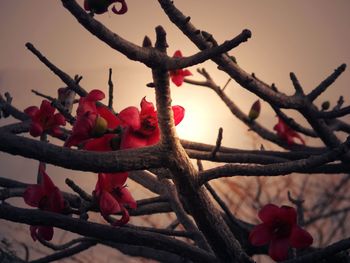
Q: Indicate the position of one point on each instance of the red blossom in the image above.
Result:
(108, 142)
(45, 120)
(279, 229)
(46, 196)
(141, 127)
(286, 133)
(113, 196)
(101, 6)
(177, 76)
(92, 120)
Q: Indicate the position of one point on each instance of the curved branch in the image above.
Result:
(274, 169)
(104, 232)
(150, 57)
(226, 64)
(326, 83)
(116, 161)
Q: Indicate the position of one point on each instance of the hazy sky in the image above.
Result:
(310, 38)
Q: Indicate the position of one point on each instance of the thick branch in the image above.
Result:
(151, 58)
(274, 169)
(104, 232)
(125, 160)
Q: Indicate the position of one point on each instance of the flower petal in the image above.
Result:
(59, 119)
(177, 79)
(268, 213)
(127, 198)
(288, 214)
(153, 138)
(112, 120)
(278, 249)
(177, 54)
(56, 201)
(95, 95)
(102, 144)
(124, 219)
(260, 235)
(179, 113)
(33, 194)
(186, 73)
(86, 5)
(45, 232)
(117, 179)
(130, 116)
(300, 238)
(31, 111)
(36, 129)
(108, 204)
(147, 108)
(122, 10)
(46, 108)
(132, 140)
(47, 183)
(56, 132)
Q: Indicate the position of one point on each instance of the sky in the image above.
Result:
(310, 38)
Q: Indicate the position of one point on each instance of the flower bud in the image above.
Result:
(325, 105)
(254, 111)
(100, 127)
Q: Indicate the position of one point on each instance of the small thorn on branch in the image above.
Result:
(340, 103)
(187, 20)
(147, 42)
(150, 85)
(218, 143)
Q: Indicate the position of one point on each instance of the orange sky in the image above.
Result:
(310, 38)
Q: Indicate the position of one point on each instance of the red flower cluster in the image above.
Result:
(45, 120)
(141, 127)
(286, 133)
(92, 120)
(46, 196)
(113, 195)
(131, 128)
(101, 6)
(279, 229)
(177, 76)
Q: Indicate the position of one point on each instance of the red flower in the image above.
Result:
(108, 142)
(177, 76)
(141, 128)
(286, 133)
(279, 229)
(113, 195)
(44, 119)
(92, 120)
(46, 196)
(101, 6)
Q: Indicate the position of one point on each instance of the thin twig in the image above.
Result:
(110, 90)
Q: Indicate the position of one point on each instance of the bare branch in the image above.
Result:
(326, 83)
